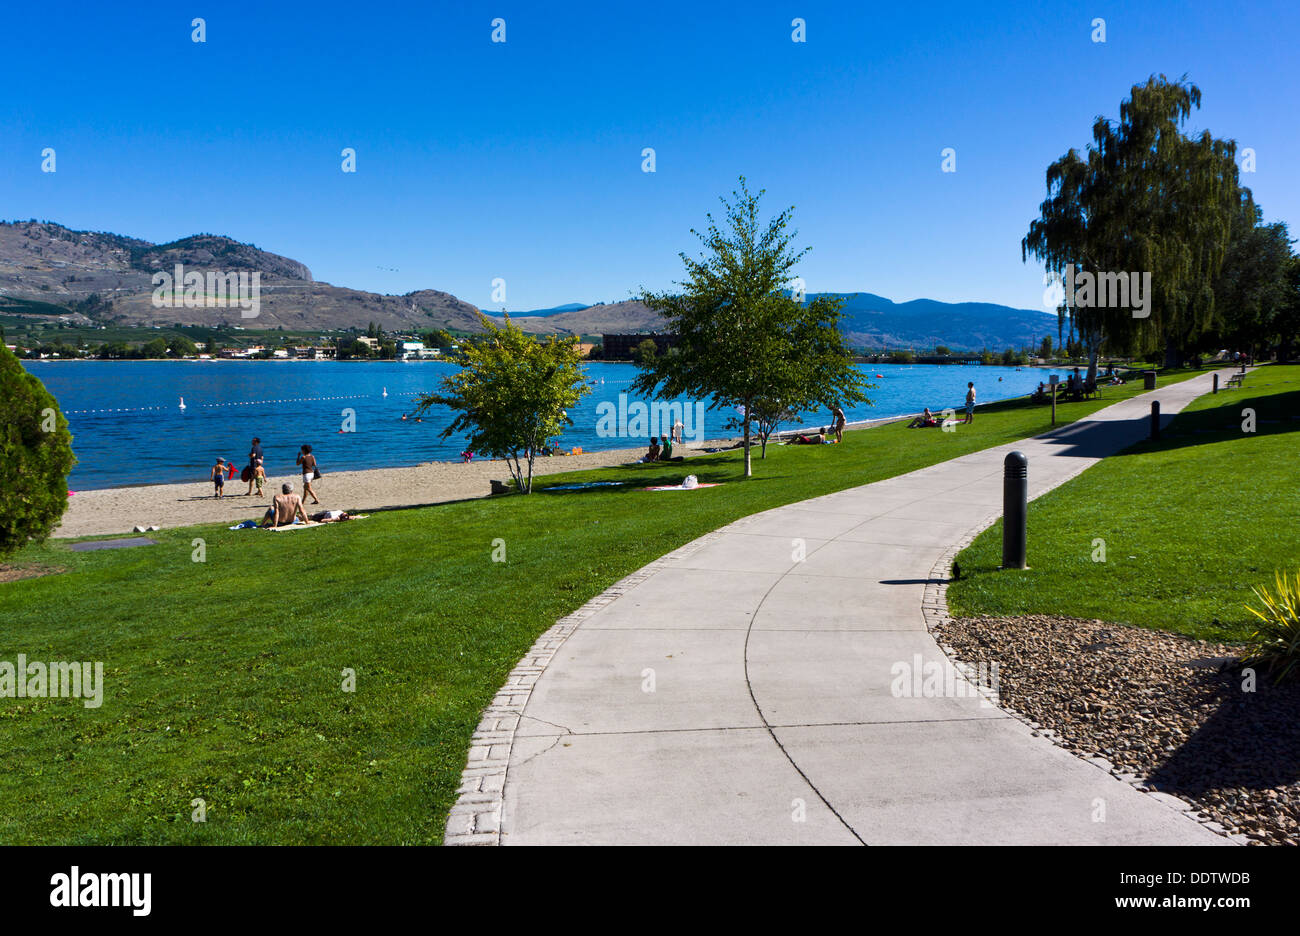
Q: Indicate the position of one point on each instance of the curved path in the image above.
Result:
(745, 690)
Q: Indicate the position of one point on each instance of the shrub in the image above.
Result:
(1275, 644)
(35, 457)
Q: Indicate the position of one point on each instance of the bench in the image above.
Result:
(1235, 380)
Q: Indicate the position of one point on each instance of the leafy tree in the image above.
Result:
(1144, 198)
(742, 339)
(1252, 285)
(1009, 357)
(901, 357)
(596, 353)
(155, 348)
(942, 350)
(512, 394)
(1045, 349)
(36, 452)
(645, 352)
(180, 346)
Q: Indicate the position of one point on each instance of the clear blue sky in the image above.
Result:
(522, 159)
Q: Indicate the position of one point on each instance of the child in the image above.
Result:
(218, 477)
(259, 476)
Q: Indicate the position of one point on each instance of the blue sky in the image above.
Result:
(522, 160)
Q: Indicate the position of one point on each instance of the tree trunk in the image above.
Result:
(749, 469)
(1093, 354)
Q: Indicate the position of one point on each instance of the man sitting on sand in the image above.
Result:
(925, 420)
(286, 508)
(665, 448)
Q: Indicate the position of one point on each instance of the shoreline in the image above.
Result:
(118, 510)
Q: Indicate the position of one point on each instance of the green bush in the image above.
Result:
(1275, 644)
(35, 457)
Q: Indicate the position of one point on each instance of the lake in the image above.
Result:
(128, 427)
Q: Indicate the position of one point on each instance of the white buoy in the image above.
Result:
(182, 402)
(385, 391)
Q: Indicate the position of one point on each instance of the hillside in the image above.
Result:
(94, 278)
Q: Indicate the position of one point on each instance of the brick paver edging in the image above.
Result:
(934, 608)
(476, 817)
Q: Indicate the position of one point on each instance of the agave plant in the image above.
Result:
(1275, 644)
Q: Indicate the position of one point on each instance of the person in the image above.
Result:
(308, 462)
(259, 477)
(679, 428)
(1040, 394)
(819, 439)
(653, 454)
(254, 456)
(970, 402)
(218, 476)
(665, 448)
(286, 508)
(925, 420)
(838, 423)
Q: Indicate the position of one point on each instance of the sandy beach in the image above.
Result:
(120, 510)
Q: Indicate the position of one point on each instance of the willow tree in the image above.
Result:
(742, 339)
(1143, 198)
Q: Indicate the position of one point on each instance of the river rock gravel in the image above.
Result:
(1173, 711)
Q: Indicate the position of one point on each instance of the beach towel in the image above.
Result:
(682, 487)
(312, 526)
(583, 485)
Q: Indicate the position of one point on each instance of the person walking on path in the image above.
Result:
(970, 403)
(254, 458)
(838, 422)
(309, 473)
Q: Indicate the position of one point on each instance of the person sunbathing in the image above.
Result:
(285, 509)
(924, 421)
(818, 439)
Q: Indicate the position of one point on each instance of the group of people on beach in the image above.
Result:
(287, 506)
(927, 419)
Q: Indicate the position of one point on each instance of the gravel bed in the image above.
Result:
(1163, 707)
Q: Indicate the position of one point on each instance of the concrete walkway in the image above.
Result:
(772, 719)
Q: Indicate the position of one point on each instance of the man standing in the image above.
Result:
(970, 403)
(254, 459)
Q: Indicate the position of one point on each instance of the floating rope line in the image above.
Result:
(154, 409)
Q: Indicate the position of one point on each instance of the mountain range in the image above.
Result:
(93, 278)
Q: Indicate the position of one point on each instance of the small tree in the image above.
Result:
(512, 394)
(742, 339)
(36, 455)
(645, 352)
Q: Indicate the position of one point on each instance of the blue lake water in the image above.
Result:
(128, 427)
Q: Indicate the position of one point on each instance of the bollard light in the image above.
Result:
(1155, 419)
(1216, 382)
(1015, 509)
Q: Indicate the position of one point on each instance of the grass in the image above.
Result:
(1190, 524)
(223, 678)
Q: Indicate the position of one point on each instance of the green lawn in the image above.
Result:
(223, 678)
(1190, 523)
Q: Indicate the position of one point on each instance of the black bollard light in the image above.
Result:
(1216, 382)
(1155, 419)
(1015, 509)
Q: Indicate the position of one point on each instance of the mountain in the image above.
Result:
(91, 277)
(872, 321)
(554, 310)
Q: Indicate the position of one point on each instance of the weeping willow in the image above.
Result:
(1143, 197)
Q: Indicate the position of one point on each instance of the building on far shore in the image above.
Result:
(620, 347)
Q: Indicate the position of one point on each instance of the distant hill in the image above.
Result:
(92, 277)
(873, 321)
